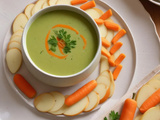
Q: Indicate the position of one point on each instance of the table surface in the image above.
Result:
(12, 107)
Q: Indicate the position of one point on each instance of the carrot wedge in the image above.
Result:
(129, 109)
(105, 42)
(80, 93)
(152, 101)
(88, 5)
(24, 86)
(106, 15)
(115, 47)
(121, 33)
(76, 2)
(105, 52)
(116, 71)
(120, 59)
(99, 21)
(111, 25)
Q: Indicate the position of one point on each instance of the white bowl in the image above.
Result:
(155, 2)
(54, 80)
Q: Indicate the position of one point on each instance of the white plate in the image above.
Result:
(129, 65)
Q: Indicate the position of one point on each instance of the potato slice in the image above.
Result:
(112, 85)
(154, 83)
(14, 59)
(44, 102)
(143, 93)
(19, 22)
(45, 4)
(37, 6)
(95, 13)
(103, 92)
(103, 30)
(18, 32)
(59, 101)
(116, 54)
(65, 2)
(77, 108)
(93, 101)
(52, 2)
(152, 114)
(28, 9)
(104, 65)
(16, 38)
(14, 44)
(157, 77)
(138, 117)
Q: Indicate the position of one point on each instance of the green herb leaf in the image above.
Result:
(114, 116)
(105, 118)
(53, 43)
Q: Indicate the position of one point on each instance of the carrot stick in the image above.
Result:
(105, 52)
(129, 109)
(152, 101)
(112, 25)
(99, 21)
(111, 61)
(115, 47)
(76, 2)
(88, 5)
(105, 42)
(121, 33)
(106, 15)
(120, 59)
(24, 86)
(80, 93)
(84, 41)
(116, 71)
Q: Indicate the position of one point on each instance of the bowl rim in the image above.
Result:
(53, 8)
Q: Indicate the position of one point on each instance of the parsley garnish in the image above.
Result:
(113, 116)
(62, 35)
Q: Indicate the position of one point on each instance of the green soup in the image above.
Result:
(40, 33)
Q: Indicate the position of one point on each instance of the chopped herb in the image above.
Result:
(113, 116)
(41, 52)
(53, 43)
(105, 118)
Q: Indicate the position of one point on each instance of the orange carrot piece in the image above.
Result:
(115, 47)
(116, 71)
(105, 42)
(120, 59)
(24, 86)
(112, 25)
(80, 93)
(120, 34)
(105, 52)
(106, 15)
(99, 21)
(152, 101)
(88, 5)
(129, 109)
(84, 41)
(111, 61)
(76, 2)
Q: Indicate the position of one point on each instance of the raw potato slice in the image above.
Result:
(95, 13)
(19, 22)
(93, 101)
(154, 83)
(116, 54)
(45, 4)
(65, 2)
(18, 32)
(105, 73)
(44, 102)
(104, 65)
(37, 6)
(28, 9)
(59, 101)
(138, 117)
(52, 2)
(16, 38)
(14, 44)
(152, 114)
(112, 85)
(143, 94)
(14, 59)
(77, 108)
(157, 77)
(103, 30)
(103, 92)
